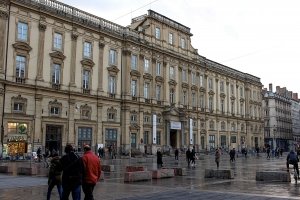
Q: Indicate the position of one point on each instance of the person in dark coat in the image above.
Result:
(159, 159)
(232, 155)
(54, 177)
(176, 154)
(188, 156)
(72, 166)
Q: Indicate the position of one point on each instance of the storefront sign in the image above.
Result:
(17, 137)
(176, 125)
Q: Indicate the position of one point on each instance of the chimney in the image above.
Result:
(270, 87)
(295, 96)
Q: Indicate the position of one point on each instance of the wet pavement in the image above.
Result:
(192, 186)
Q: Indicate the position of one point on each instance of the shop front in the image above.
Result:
(17, 146)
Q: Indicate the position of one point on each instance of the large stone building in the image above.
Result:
(281, 116)
(67, 76)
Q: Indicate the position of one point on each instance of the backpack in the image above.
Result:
(293, 157)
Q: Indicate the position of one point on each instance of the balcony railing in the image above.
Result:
(56, 86)
(111, 95)
(20, 80)
(86, 91)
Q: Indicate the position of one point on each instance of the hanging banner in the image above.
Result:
(154, 129)
(191, 131)
(175, 125)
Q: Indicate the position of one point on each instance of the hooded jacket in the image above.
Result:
(92, 167)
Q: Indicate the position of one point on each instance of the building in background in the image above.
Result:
(281, 114)
(67, 76)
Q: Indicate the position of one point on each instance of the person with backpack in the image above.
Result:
(73, 170)
(54, 177)
(292, 158)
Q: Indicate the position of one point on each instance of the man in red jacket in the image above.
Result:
(92, 172)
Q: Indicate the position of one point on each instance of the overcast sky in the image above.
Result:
(259, 37)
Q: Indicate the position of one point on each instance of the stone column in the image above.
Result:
(125, 128)
(126, 78)
(37, 135)
(74, 37)
(182, 135)
(100, 138)
(3, 29)
(1, 115)
(40, 57)
(228, 98)
(166, 86)
(167, 133)
(217, 97)
(71, 133)
(100, 69)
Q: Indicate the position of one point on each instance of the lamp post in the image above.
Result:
(274, 138)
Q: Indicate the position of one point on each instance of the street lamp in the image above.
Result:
(274, 138)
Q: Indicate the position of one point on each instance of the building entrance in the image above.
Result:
(173, 138)
(53, 138)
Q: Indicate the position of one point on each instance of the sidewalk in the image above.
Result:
(192, 186)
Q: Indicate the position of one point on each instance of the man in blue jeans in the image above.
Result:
(72, 166)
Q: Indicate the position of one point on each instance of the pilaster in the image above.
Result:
(38, 133)
(100, 69)
(74, 37)
(40, 57)
(100, 133)
(71, 133)
(3, 36)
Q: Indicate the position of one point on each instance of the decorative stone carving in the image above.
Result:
(135, 73)
(194, 87)
(159, 79)
(74, 36)
(222, 95)
(211, 93)
(172, 82)
(3, 15)
(87, 62)
(22, 46)
(185, 85)
(113, 69)
(148, 76)
(57, 54)
(42, 26)
(101, 45)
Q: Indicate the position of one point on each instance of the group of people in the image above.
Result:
(71, 172)
(191, 157)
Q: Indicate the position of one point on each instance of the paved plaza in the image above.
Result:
(191, 186)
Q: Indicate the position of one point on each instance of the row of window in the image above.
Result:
(56, 68)
(171, 38)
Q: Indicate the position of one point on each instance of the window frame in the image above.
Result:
(134, 62)
(157, 33)
(54, 73)
(56, 42)
(113, 57)
(24, 37)
(87, 49)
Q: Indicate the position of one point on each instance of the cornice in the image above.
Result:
(22, 46)
(87, 62)
(57, 54)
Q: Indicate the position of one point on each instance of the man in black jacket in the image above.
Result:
(72, 166)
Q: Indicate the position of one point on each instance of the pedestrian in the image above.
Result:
(159, 159)
(268, 152)
(176, 154)
(217, 157)
(92, 172)
(39, 154)
(193, 157)
(100, 152)
(46, 156)
(188, 156)
(54, 177)
(232, 155)
(72, 167)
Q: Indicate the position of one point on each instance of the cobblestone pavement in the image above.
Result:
(192, 186)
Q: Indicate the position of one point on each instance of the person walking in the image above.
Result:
(72, 167)
(232, 155)
(92, 172)
(54, 177)
(217, 157)
(268, 153)
(193, 157)
(159, 159)
(176, 154)
(39, 154)
(188, 156)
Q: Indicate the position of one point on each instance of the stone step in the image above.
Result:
(137, 176)
(277, 176)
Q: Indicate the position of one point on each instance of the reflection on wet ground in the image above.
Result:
(113, 186)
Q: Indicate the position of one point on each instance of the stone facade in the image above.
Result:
(71, 77)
